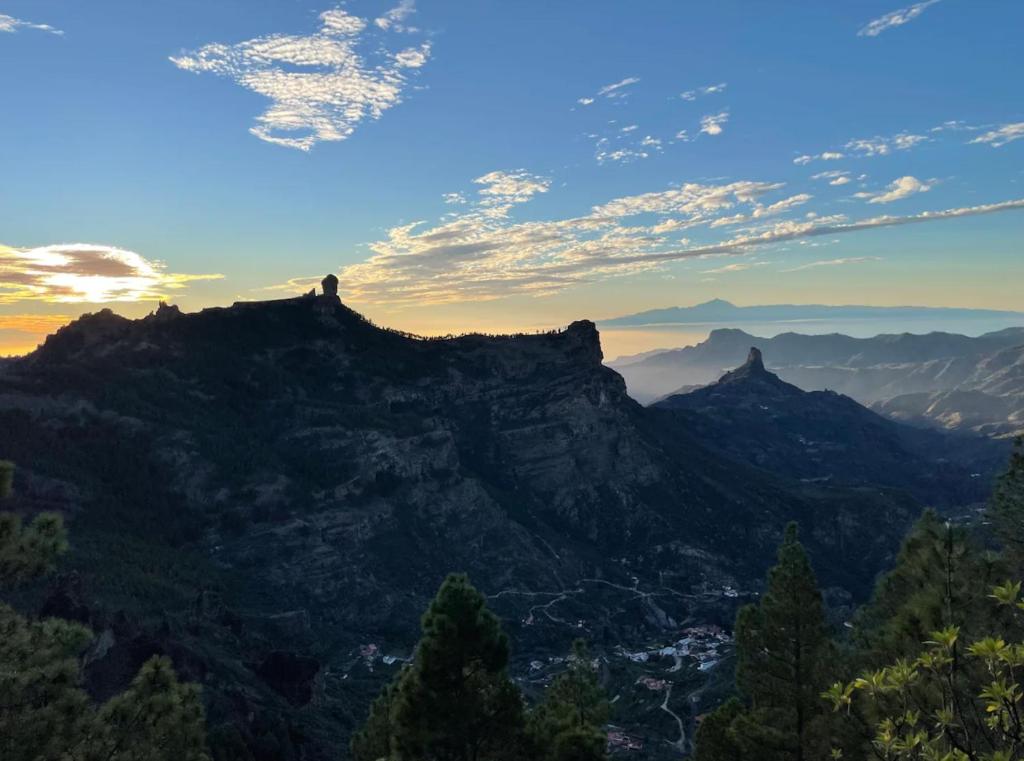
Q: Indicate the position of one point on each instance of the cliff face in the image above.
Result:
(266, 490)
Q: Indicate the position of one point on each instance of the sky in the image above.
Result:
(507, 166)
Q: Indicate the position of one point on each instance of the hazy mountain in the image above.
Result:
(271, 492)
(753, 416)
(867, 369)
(984, 395)
(720, 311)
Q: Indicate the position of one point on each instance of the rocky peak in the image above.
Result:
(751, 370)
(330, 285)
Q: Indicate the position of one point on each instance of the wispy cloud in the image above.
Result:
(84, 272)
(11, 25)
(898, 189)
(734, 267)
(883, 146)
(834, 263)
(834, 177)
(320, 86)
(826, 156)
(692, 95)
(618, 89)
(712, 124)
(1002, 135)
(395, 18)
(895, 18)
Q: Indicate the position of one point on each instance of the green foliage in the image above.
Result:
(783, 655)
(27, 552)
(950, 703)
(373, 740)
(44, 713)
(568, 723)
(941, 578)
(1006, 509)
(454, 702)
(6, 478)
(715, 740)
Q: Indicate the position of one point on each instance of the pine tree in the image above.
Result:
(568, 724)
(941, 578)
(373, 740)
(783, 650)
(27, 552)
(1006, 508)
(456, 702)
(715, 739)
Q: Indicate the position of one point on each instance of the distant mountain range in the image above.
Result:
(720, 311)
(753, 416)
(939, 379)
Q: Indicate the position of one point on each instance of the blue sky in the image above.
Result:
(759, 152)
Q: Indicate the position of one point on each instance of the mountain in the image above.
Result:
(720, 311)
(753, 416)
(868, 369)
(271, 492)
(981, 394)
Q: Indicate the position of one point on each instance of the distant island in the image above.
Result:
(721, 311)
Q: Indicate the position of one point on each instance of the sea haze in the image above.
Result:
(623, 337)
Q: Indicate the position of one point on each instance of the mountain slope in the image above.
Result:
(271, 492)
(753, 416)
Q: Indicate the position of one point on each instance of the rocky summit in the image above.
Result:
(271, 492)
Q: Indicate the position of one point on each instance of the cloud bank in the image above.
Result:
(483, 253)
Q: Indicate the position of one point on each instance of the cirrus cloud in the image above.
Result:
(1002, 135)
(895, 18)
(10, 24)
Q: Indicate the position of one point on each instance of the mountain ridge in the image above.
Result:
(284, 482)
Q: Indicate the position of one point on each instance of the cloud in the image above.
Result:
(320, 86)
(834, 177)
(826, 156)
(395, 18)
(620, 155)
(584, 101)
(834, 263)
(712, 123)
(1000, 136)
(84, 273)
(11, 25)
(477, 255)
(899, 188)
(454, 198)
(618, 89)
(735, 267)
(883, 146)
(895, 18)
(692, 95)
